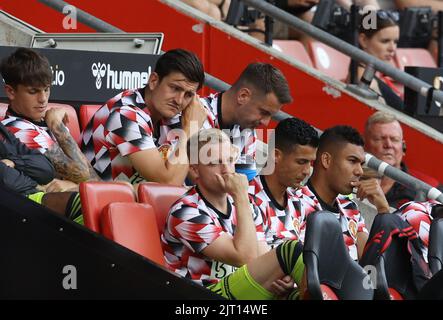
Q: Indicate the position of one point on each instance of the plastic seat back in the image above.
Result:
(96, 195)
(435, 253)
(86, 113)
(330, 271)
(133, 225)
(417, 57)
(328, 60)
(160, 197)
(433, 289)
(294, 49)
(394, 272)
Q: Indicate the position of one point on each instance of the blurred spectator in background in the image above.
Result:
(387, 4)
(305, 10)
(436, 5)
(384, 139)
(217, 9)
(382, 43)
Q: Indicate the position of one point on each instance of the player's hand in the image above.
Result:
(234, 183)
(282, 287)
(370, 189)
(193, 116)
(55, 116)
(9, 163)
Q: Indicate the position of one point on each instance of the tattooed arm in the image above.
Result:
(67, 158)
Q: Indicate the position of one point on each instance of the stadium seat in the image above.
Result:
(96, 195)
(294, 49)
(330, 271)
(72, 125)
(414, 57)
(435, 254)
(328, 60)
(394, 272)
(160, 197)
(86, 113)
(133, 225)
(433, 289)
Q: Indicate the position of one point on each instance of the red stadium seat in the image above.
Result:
(133, 225)
(72, 125)
(328, 60)
(294, 49)
(96, 195)
(160, 197)
(86, 113)
(414, 57)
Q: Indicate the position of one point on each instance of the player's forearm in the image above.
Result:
(245, 236)
(76, 167)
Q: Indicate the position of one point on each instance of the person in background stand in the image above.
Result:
(381, 42)
(384, 139)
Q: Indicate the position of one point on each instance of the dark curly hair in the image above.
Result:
(293, 131)
(26, 67)
(331, 137)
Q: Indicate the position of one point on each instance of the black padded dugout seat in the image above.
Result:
(393, 247)
(328, 263)
(435, 253)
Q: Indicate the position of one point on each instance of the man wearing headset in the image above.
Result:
(384, 139)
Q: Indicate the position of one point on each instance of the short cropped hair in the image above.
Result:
(26, 67)
(203, 137)
(338, 135)
(265, 78)
(292, 132)
(380, 117)
(183, 61)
